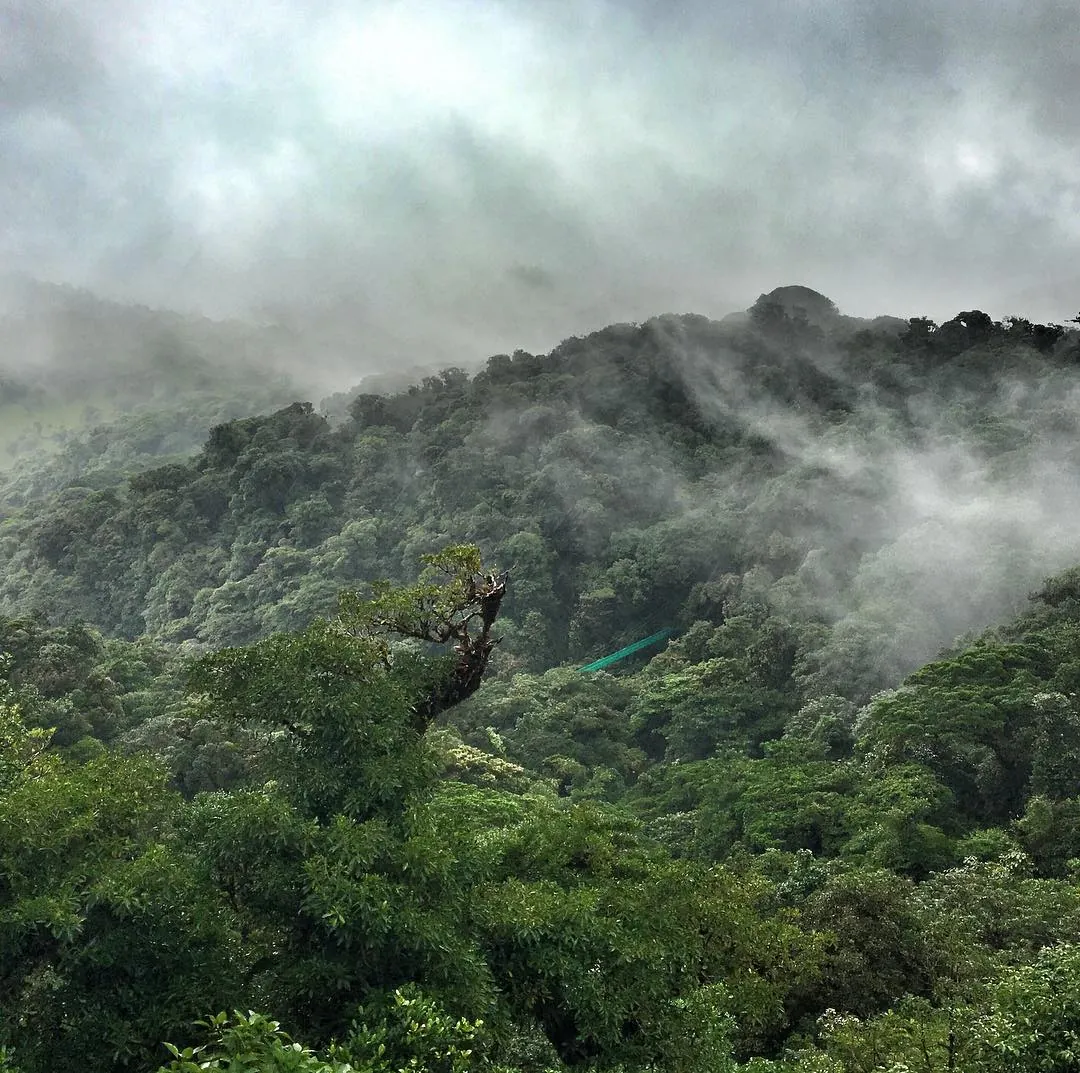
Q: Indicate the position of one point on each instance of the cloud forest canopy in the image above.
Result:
(893, 487)
(239, 771)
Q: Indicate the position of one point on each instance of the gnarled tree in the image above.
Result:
(454, 600)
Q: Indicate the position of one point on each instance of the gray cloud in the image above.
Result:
(448, 179)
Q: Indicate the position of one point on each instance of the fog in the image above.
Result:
(434, 181)
(916, 522)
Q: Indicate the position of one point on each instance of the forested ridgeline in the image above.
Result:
(814, 833)
(884, 487)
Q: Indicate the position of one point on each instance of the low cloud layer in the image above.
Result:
(449, 179)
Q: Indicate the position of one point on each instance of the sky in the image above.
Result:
(432, 181)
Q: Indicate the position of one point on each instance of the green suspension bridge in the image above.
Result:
(629, 650)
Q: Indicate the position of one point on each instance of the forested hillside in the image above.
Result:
(894, 487)
(829, 822)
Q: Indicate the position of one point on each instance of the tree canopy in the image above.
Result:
(292, 779)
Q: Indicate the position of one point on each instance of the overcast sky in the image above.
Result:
(473, 176)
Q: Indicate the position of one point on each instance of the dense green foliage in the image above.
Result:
(248, 822)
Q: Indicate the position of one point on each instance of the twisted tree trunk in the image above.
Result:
(471, 652)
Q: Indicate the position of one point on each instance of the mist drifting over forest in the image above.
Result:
(539, 537)
(213, 212)
(881, 486)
